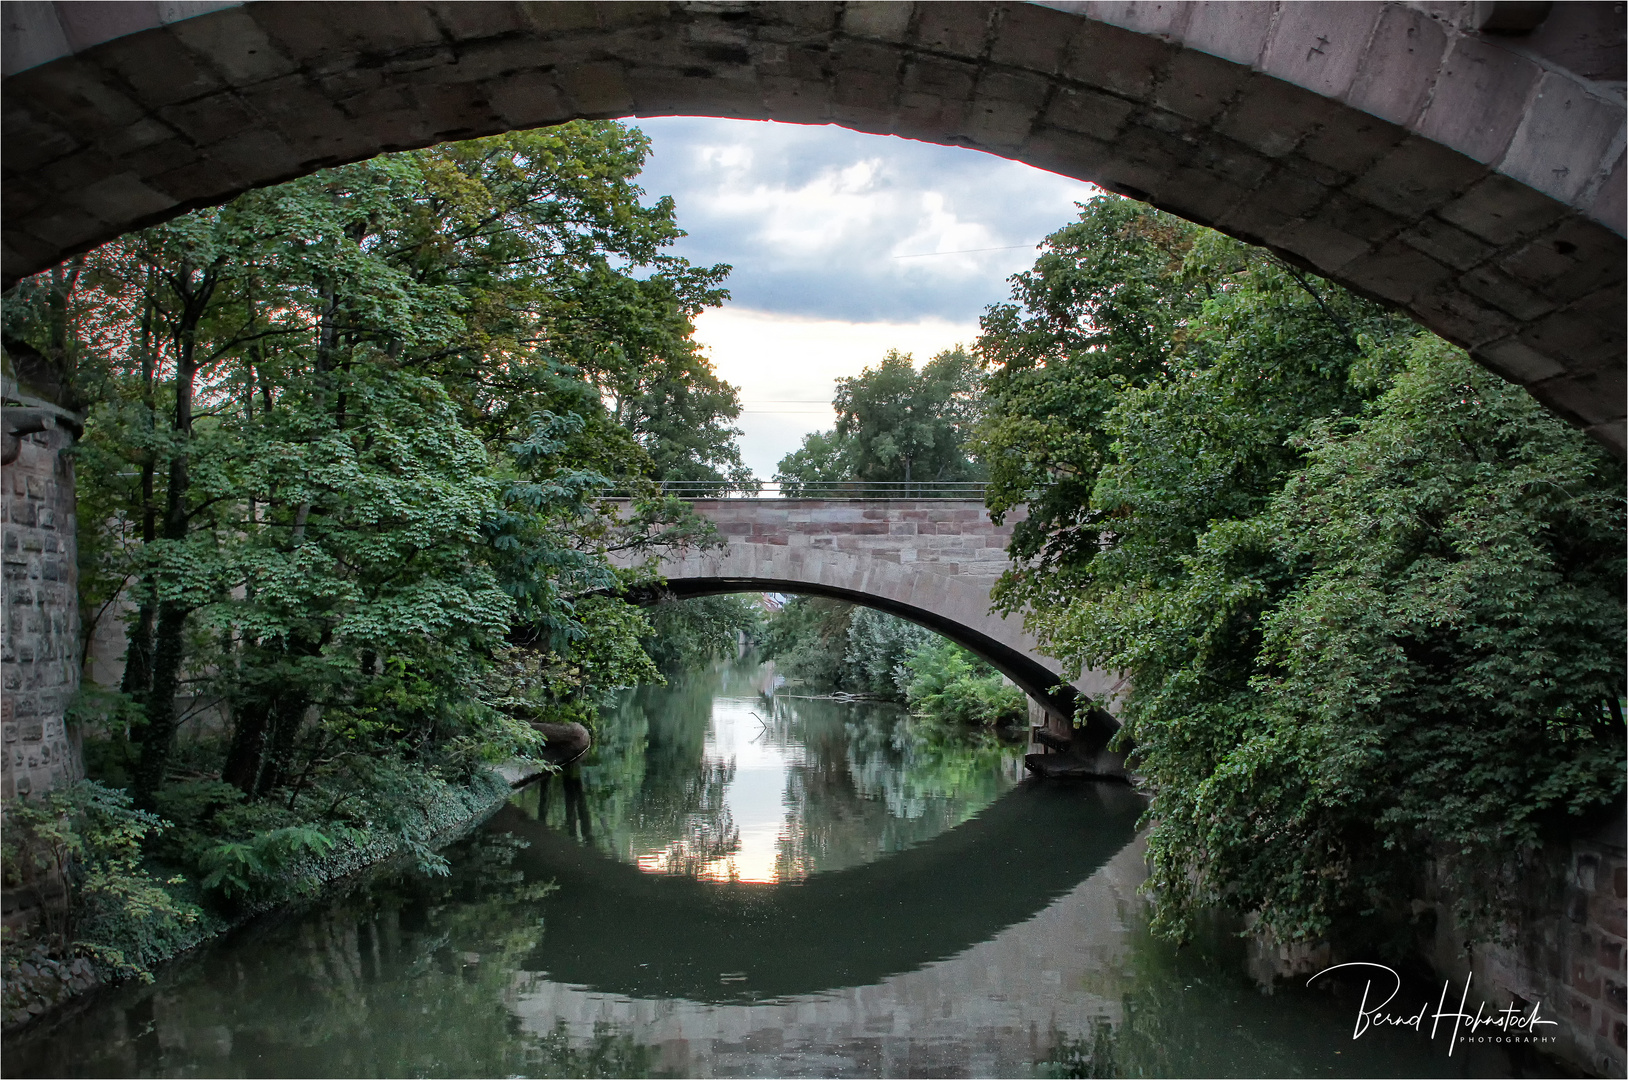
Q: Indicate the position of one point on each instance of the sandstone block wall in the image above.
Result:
(933, 561)
(938, 537)
(1564, 953)
(1462, 165)
(39, 627)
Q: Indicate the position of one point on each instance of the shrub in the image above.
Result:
(944, 682)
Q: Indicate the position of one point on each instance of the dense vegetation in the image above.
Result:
(346, 475)
(348, 447)
(900, 431)
(1370, 597)
(688, 634)
(827, 645)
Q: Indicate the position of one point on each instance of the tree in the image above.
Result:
(1368, 596)
(352, 446)
(895, 426)
(688, 634)
(1105, 306)
(816, 467)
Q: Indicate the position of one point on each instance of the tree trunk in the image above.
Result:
(138, 657)
(158, 737)
(288, 714)
(250, 724)
(169, 645)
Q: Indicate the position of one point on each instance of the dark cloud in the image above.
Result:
(815, 219)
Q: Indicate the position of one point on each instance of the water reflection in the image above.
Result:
(1011, 944)
(715, 778)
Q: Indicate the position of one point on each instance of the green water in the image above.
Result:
(742, 884)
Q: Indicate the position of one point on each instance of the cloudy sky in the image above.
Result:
(843, 246)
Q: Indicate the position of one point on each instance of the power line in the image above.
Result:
(963, 251)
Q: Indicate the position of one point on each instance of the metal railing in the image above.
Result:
(836, 489)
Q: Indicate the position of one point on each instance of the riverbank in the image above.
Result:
(37, 987)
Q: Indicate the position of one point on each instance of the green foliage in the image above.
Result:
(688, 634)
(811, 469)
(807, 639)
(945, 683)
(240, 868)
(895, 425)
(353, 436)
(87, 839)
(1369, 597)
(348, 456)
(830, 645)
(877, 644)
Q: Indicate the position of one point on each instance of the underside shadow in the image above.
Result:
(613, 928)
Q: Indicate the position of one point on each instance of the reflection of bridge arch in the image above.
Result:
(931, 561)
(1463, 160)
(674, 935)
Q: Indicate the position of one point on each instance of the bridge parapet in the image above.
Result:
(949, 537)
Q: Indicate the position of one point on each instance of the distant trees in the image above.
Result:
(831, 645)
(896, 426)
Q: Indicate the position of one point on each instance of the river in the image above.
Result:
(740, 883)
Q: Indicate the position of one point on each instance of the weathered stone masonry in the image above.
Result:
(39, 628)
(1463, 160)
(933, 561)
(1563, 953)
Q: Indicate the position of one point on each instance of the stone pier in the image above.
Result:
(39, 631)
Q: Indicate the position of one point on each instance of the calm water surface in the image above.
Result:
(742, 884)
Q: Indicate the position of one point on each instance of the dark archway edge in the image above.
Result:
(1034, 679)
(613, 928)
(1349, 138)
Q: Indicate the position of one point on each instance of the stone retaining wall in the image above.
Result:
(39, 647)
(1564, 954)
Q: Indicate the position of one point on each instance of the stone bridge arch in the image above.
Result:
(1463, 160)
(930, 561)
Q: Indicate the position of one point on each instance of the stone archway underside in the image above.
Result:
(1028, 673)
(1475, 178)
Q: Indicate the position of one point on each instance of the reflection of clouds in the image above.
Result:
(709, 834)
(775, 789)
(863, 793)
(734, 832)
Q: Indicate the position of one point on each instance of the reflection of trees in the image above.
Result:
(410, 977)
(868, 788)
(647, 787)
(1194, 1011)
(866, 783)
(696, 810)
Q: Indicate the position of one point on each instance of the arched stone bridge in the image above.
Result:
(1463, 160)
(931, 561)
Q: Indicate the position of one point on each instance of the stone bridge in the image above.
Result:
(931, 561)
(1463, 160)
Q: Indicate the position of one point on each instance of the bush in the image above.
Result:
(807, 639)
(877, 644)
(944, 682)
(690, 634)
(88, 837)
